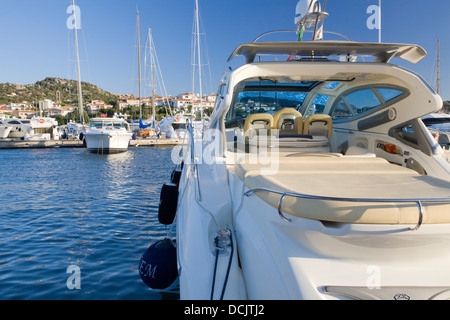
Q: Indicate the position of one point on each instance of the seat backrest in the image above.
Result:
(258, 121)
(288, 121)
(318, 125)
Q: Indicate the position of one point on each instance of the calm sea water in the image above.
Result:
(68, 207)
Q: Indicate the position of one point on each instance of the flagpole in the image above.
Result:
(379, 20)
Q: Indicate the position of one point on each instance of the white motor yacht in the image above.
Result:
(4, 130)
(20, 128)
(43, 128)
(439, 126)
(316, 180)
(175, 126)
(74, 130)
(107, 135)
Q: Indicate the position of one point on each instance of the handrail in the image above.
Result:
(286, 31)
(190, 131)
(418, 201)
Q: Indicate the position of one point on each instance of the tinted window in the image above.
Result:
(362, 100)
(341, 110)
(365, 100)
(318, 104)
(389, 94)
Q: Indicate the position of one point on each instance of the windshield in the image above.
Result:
(107, 123)
(266, 96)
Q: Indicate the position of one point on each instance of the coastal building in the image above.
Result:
(96, 105)
(5, 111)
(180, 104)
(25, 114)
(132, 102)
(21, 105)
(191, 102)
(45, 104)
(60, 110)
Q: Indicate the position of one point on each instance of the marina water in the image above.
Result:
(68, 208)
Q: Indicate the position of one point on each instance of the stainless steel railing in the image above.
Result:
(283, 194)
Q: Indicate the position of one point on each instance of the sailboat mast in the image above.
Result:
(139, 66)
(379, 19)
(80, 96)
(438, 66)
(152, 66)
(198, 57)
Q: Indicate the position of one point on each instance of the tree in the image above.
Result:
(446, 106)
(61, 119)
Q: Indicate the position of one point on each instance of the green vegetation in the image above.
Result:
(446, 106)
(49, 88)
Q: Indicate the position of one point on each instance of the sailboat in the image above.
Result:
(81, 130)
(104, 135)
(156, 76)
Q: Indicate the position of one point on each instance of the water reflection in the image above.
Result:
(71, 207)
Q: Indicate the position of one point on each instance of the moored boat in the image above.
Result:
(107, 135)
(317, 179)
(4, 130)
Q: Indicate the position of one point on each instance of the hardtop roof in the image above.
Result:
(383, 52)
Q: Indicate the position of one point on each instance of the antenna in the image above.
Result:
(438, 67)
(308, 14)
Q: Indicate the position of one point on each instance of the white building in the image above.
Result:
(45, 104)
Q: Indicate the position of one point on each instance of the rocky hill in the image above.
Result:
(48, 88)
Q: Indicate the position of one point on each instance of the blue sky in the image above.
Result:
(35, 42)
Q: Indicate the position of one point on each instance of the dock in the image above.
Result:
(38, 144)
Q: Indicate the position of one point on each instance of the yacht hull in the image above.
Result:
(107, 142)
(300, 259)
(312, 259)
(361, 213)
(4, 132)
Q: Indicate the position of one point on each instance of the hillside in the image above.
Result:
(48, 88)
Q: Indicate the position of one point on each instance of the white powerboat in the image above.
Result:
(43, 128)
(439, 125)
(175, 126)
(73, 131)
(4, 130)
(316, 180)
(107, 135)
(20, 128)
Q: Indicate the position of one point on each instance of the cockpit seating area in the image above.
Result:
(293, 134)
(288, 121)
(365, 177)
(258, 123)
(318, 125)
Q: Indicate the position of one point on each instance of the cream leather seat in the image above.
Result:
(365, 177)
(255, 123)
(288, 121)
(318, 125)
